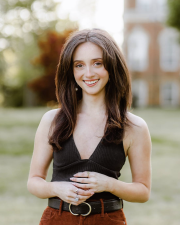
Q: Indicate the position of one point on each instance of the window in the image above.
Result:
(169, 94)
(169, 50)
(140, 92)
(137, 44)
(144, 5)
(161, 4)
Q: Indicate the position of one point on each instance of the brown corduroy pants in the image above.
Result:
(53, 216)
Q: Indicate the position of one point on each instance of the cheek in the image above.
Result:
(105, 75)
(76, 75)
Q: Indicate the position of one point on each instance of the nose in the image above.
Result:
(89, 72)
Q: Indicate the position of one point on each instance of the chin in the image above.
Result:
(92, 92)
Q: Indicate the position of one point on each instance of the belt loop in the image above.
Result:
(102, 207)
(60, 207)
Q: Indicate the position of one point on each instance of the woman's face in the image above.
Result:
(89, 71)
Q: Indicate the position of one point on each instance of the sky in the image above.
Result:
(104, 14)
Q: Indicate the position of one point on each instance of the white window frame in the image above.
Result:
(169, 94)
(169, 50)
(138, 49)
(140, 91)
(144, 5)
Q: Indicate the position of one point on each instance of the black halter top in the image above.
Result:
(107, 159)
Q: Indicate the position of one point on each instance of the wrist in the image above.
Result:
(52, 189)
(110, 185)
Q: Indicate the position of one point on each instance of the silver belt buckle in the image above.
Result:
(81, 214)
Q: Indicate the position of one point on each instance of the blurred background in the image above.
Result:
(32, 33)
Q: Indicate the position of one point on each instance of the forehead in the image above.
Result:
(87, 49)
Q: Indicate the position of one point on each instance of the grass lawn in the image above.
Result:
(18, 207)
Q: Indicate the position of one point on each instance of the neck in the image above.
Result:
(93, 104)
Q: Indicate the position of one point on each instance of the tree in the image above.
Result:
(22, 22)
(50, 49)
(173, 19)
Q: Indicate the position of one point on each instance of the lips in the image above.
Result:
(91, 83)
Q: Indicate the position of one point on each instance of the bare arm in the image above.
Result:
(139, 153)
(41, 159)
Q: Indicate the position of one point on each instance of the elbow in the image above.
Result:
(145, 197)
(37, 187)
(29, 185)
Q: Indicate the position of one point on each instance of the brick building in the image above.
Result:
(152, 53)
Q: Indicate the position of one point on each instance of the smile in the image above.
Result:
(91, 83)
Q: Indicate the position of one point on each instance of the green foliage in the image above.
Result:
(174, 14)
(26, 20)
(2, 69)
(16, 73)
(50, 49)
(24, 16)
(13, 96)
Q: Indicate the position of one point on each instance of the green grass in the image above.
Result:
(19, 207)
(17, 130)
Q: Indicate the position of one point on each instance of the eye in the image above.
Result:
(98, 63)
(79, 65)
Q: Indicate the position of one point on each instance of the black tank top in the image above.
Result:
(107, 159)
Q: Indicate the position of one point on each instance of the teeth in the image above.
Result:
(91, 82)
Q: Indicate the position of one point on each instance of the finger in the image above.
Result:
(80, 200)
(81, 194)
(80, 180)
(73, 199)
(83, 199)
(85, 193)
(89, 186)
(82, 174)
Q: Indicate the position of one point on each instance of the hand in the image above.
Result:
(68, 192)
(95, 182)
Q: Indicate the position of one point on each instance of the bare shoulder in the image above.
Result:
(137, 122)
(137, 130)
(46, 120)
(49, 115)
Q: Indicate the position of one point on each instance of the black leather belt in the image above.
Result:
(86, 208)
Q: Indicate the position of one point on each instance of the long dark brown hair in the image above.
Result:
(118, 95)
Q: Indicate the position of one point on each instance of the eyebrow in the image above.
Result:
(82, 60)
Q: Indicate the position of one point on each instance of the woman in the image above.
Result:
(89, 137)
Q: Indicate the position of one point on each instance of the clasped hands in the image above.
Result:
(91, 181)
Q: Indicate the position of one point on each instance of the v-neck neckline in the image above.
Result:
(92, 152)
